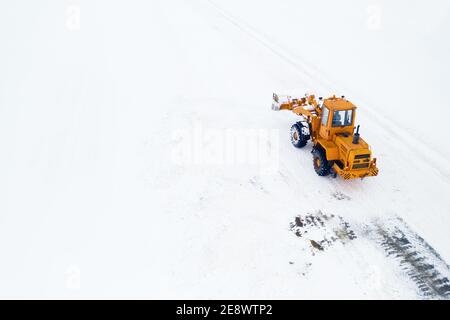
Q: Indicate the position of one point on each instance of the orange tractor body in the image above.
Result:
(330, 125)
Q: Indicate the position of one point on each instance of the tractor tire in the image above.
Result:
(321, 165)
(298, 137)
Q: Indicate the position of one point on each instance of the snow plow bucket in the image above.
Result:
(307, 103)
(283, 102)
(275, 102)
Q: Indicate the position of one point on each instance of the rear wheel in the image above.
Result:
(299, 135)
(321, 165)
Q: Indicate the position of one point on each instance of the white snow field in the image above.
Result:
(140, 157)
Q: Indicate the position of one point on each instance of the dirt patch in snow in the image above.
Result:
(340, 196)
(322, 230)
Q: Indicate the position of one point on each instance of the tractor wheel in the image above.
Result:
(298, 137)
(321, 165)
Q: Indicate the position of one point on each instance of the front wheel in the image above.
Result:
(321, 165)
(299, 135)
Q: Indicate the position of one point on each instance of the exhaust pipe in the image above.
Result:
(356, 136)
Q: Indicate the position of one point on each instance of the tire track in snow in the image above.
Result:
(262, 39)
(416, 259)
(421, 263)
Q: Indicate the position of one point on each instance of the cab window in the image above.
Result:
(325, 114)
(342, 118)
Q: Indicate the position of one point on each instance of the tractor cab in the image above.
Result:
(338, 116)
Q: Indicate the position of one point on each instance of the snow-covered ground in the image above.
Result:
(141, 159)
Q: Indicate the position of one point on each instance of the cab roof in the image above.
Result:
(335, 103)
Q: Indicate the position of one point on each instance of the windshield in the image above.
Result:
(342, 118)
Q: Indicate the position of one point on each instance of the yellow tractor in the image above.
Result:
(330, 124)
